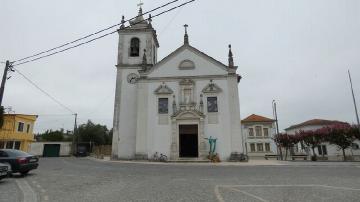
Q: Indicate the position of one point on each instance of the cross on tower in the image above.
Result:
(186, 36)
(140, 4)
(186, 26)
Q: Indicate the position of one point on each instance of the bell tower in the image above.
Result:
(137, 49)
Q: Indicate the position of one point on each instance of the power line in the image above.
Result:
(92, 34)
(43, 91)
(102, 36)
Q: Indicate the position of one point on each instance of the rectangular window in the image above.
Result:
(9, 145)
(17, 145)
(252, 147)
(260, 147)
(251, 132)
(266, 132)
(258, 131)
(322, 150)
(28, 128)
(212, 105)
(21, 127)
(2, 145)
(163, 105)
(267, 147)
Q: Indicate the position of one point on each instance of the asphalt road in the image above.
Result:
(71, 179)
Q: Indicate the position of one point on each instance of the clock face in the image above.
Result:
(132, 78)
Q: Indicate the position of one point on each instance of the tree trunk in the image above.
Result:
(286, 153)
(343, 150)
(281, 156)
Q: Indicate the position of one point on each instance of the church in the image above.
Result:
(174, 105)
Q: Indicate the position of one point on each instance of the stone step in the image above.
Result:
(190, 160)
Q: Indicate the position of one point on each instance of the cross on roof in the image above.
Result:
(140, 4)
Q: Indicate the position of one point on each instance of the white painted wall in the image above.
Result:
(159, 136)
(37, 148)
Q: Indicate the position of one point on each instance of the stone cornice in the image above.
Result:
(179, 78)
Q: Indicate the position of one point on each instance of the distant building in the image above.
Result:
(325, 151)
(17, 131)
(258, 133)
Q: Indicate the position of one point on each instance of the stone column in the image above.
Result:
(202, 146)
(174, 155)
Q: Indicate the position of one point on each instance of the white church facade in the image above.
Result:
(171, 106)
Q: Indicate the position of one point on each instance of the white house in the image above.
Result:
(325, 151)
(258, 132)
(171, 106)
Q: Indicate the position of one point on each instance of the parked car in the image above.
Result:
(4, 172)
(81, 151)
(19, 161)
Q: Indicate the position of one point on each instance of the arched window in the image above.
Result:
(134, 47)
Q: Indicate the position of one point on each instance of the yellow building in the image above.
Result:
(17, 131)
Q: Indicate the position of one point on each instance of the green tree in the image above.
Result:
(95, 133)
(53, 136)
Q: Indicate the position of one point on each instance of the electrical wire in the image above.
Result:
(43, 91)
(102, 36)
(95, 33)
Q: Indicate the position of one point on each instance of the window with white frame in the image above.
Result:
(267, 147)
(260, 147)
(258, 131)
(322, 150)
(251, 132)
(20, 127)
(266, 132)
(252, 147)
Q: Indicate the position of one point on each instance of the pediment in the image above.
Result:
(163, 89)
(211, 88)
(187, 61)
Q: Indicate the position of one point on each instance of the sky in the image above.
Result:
(294, 52)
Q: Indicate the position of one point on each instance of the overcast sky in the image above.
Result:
(297, 52)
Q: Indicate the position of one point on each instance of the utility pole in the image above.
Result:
(74, 142)
(277, 125)
(3, 81)
(353, 95)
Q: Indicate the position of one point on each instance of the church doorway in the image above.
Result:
(188, 138)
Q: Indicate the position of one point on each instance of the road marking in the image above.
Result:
(251, 195)
(220, 198)
(28, 193)
(293, 185)
(218, 195)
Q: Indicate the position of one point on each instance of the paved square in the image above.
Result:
(82, 179)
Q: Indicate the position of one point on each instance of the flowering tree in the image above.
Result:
(313, 138)
(286, 141)
(342, 135)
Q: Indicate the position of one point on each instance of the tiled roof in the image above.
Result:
(256, 118)
(315, 122)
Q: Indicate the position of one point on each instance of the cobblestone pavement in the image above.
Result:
(81, 179)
